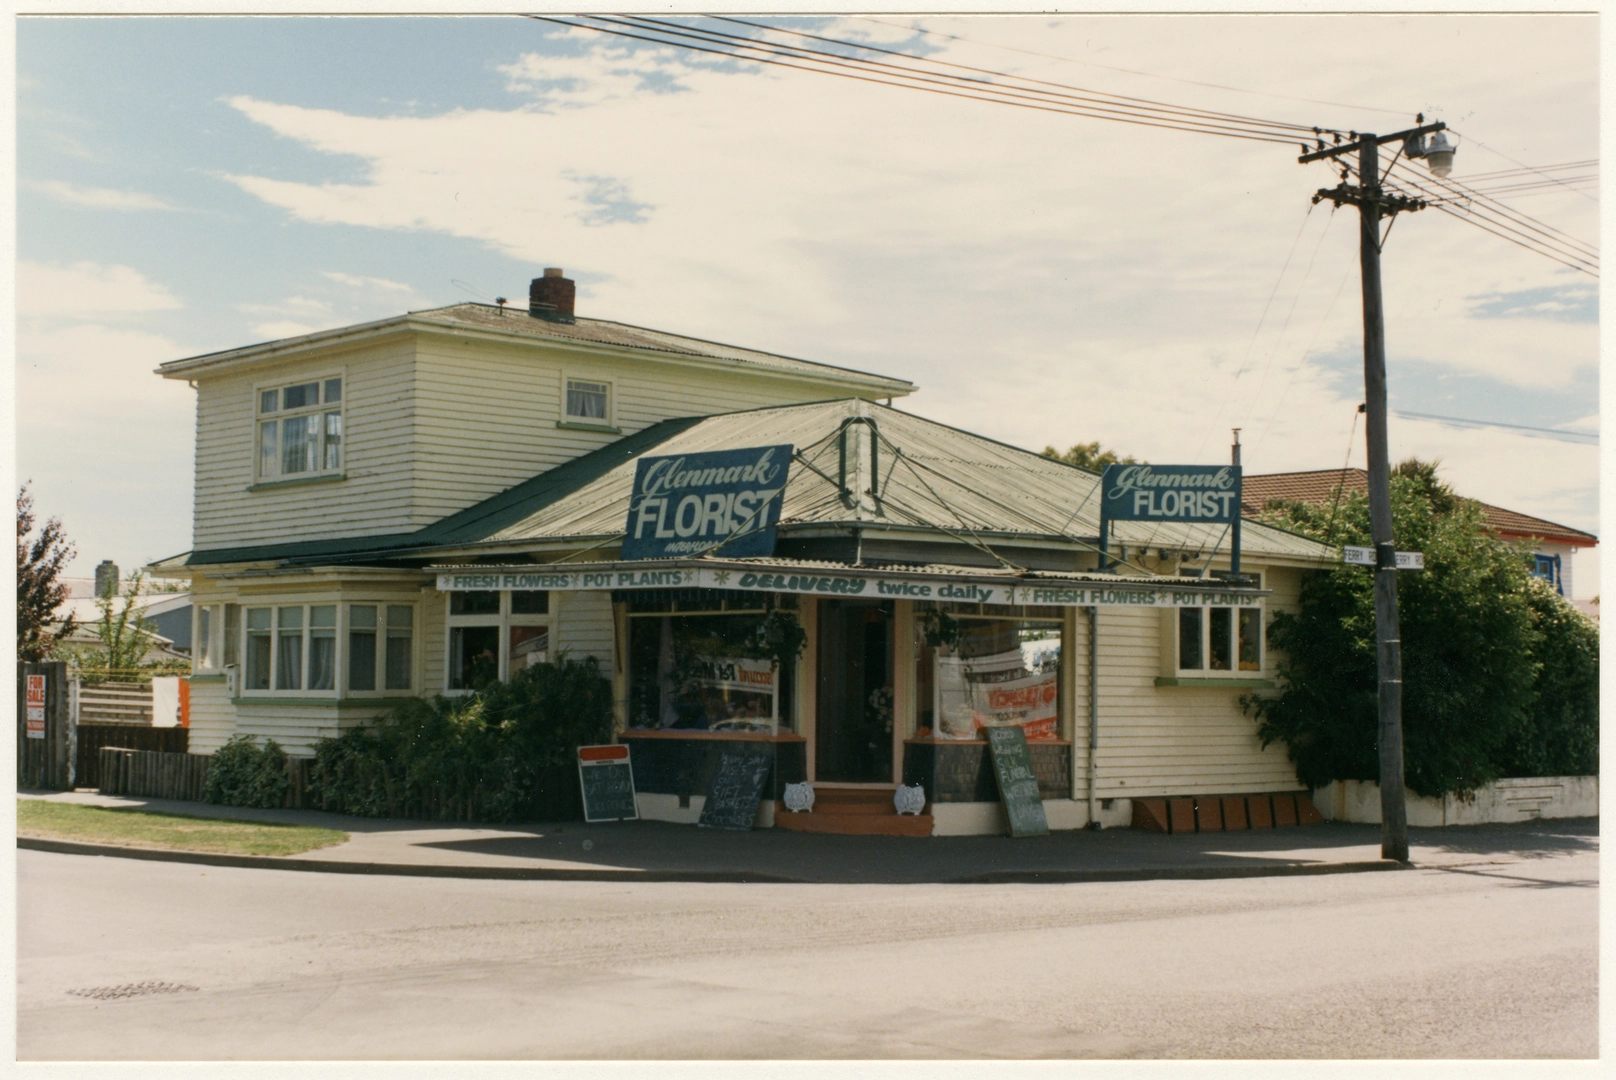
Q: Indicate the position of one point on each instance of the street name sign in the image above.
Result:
(1365, 556)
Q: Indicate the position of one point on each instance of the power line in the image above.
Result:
(1095, 106)
(1494, 216)
(1130, 71)
(1563, 434)
(1020, 78)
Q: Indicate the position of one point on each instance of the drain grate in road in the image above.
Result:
(129, 990)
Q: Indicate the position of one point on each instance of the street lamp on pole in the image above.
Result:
(1372, 201)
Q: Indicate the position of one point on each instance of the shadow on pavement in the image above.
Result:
(659, 846)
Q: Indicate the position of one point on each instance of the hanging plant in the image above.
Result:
(940, 628)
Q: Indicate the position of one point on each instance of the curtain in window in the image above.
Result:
(300, 442)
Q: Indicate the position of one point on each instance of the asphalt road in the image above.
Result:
(1497, 958)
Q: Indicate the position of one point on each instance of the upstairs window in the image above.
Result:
(300, 430)
(589, 401)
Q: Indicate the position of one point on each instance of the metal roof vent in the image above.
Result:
(551, 297)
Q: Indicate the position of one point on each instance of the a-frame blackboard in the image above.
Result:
(732, 797)
(1018, 787)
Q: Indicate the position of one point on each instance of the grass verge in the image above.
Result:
(140, 828)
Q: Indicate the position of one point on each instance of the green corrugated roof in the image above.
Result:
(931, 476)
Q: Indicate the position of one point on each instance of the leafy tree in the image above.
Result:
(1562, 735)
(40, 562)
(125, 634)
(1088, 456)
(1471, 644)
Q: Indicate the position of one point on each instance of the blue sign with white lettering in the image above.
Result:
(720, 502)
(1189, 493)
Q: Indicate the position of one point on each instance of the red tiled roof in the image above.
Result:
(1319, 486)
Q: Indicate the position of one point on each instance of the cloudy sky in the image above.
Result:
(187, 184)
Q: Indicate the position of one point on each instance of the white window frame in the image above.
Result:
(1206, 670)
(207, 645)
(504, 620)
(609, 422)
(319, 409)
(344, 640)
(339, 690)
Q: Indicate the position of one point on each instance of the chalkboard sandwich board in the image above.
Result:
(607, 780)
(732, 798)
(1018, 787)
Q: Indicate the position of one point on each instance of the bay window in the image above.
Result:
(300, 430)
(381, 647)
(305, 648)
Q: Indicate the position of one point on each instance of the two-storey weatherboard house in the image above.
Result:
(350, 440)
(402, 507)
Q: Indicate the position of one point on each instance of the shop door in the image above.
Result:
(853, 732)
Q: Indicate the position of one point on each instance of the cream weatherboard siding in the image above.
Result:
(1179, 740)
(435, 422)
(213, 718)
(582, 624)
(487, 410)
(373, 498)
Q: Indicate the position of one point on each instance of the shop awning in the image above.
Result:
(946, 584)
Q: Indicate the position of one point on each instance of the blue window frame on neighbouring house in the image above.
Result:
(1547, 567)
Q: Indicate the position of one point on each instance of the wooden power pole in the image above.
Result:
(1370, 200)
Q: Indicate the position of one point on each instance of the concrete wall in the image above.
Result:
(1506, 800)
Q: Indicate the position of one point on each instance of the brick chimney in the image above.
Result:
(106, 574)
(550, 297)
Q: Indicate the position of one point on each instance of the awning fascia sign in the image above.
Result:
(1122, 592)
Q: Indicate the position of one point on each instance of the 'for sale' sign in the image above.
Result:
(36, 706)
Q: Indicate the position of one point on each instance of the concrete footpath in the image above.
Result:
(658, 851)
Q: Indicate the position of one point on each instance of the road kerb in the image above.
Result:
(533, 873)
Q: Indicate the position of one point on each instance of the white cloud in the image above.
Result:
(100, 198)
(292, 305)
(107, 444)
(87, 290)
(359, 282)
(270, 331)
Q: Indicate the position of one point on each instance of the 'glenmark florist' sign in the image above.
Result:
(1189, 493)
(724, 501)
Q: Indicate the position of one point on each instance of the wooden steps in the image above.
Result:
(863, 810)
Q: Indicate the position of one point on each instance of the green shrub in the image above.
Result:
(483, 757)
(242, 774)
(1560, 736)
(1500, 675)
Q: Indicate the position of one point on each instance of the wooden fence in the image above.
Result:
(153, 774)
(46, 760)
(115, 703)
(92, 737)
(156, 774)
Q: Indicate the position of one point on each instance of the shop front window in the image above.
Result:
(494, 635)
(979, 666)
(709, 665)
